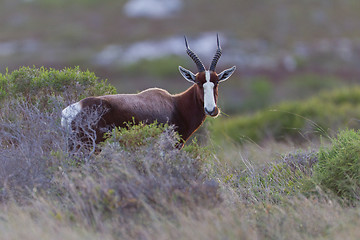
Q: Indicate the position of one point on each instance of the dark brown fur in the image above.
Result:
(184, 110)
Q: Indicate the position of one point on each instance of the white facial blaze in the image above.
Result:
(209, 100)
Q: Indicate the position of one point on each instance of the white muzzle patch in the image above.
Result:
(68, 115)
(209, 100)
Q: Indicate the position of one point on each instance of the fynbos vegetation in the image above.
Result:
(140, 186)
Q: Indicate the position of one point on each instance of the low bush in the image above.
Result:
(42, 85)
(141, 175)
(338, 169)
(30, 139)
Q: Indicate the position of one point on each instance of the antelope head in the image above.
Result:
(207, 81)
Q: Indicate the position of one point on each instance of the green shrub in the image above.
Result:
(137, 135)
(338, 168)
(296, 120)
(41, 85)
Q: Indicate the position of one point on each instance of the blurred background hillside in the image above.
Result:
(282, 49)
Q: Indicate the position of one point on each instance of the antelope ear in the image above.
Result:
(188, 75)
(224, 75)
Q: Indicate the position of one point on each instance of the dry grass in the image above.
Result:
(299, 218)
(38, 221)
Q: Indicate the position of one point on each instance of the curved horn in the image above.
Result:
(194, 57)
(217, 55)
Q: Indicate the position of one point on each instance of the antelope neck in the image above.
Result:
(190, 110)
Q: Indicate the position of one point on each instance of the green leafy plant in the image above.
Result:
(338, 168)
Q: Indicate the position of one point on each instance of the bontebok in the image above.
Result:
(186, 110)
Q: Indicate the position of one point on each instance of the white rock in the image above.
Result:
(152, 8)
